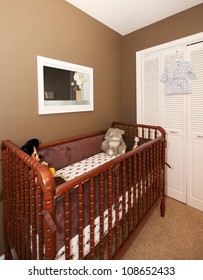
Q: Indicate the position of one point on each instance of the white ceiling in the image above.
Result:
(126, 16)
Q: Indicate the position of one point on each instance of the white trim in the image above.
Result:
(179, 42)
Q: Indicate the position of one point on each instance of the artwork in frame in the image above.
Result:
(63, 87)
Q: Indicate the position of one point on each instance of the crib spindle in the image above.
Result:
(80, 219)
(101, 204)
(143, 181)
(67, 223)
(33, 215)
(117, 204)
(129, 186)
(135, 190)
(27, 213)
(139, 185)
(39, 210)
(92, 218)
(147, 181)
(110, 201)
(6, 194)
(156, 172)
(124, 201)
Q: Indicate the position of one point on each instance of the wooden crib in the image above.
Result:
(90, 215)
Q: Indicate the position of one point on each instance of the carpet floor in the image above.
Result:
(177, 236)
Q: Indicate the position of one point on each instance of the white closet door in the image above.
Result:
(195, 130)
(174, 123)
(149, 99)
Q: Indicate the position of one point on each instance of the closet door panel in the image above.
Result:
(174, 123)
(175, 175)
(150, 91)
(195, 129)
(195, 182)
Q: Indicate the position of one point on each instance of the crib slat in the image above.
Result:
(123, 201)
(22, 209)
(156, 173)
(129, 195)
(143, 182)
(101, 196)
(80, 220)
(139, 185)
(135, 190)
(6, 194)
(162, 194)
(110, 202)
(17, 240)
(151, 175)
(27, 212)
(148, 180)
(46, 203)
(117, 204)
(40, 224)
(33, 215)
(67, 225)
(92, 218)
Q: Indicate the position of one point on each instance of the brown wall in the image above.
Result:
(180, 25)
(55, 29)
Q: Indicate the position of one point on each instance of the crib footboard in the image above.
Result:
(90, 216)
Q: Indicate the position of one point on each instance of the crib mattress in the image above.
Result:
(79, 168)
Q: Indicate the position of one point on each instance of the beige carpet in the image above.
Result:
(177, 236)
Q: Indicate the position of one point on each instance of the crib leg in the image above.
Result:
(162, 207)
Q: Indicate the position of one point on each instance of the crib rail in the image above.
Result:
(140, 130)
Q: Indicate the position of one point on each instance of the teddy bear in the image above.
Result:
(30, 148)
(113, 143)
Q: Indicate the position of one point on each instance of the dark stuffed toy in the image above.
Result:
(30, 148)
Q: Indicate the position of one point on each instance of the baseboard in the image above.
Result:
(2, 257)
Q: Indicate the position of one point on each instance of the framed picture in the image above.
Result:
(63, 87)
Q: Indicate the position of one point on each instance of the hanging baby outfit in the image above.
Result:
(176, 77)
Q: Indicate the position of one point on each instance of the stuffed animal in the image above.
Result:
(113, 143)
(30, 148)
(136, 142)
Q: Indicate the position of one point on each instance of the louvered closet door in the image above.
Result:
(195, 130)
(174, 123)
(150, 91)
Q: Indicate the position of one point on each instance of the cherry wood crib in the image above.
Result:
(92, 206)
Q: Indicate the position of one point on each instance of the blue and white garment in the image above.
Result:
(176, 77)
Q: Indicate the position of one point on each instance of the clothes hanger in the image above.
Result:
(178, 58)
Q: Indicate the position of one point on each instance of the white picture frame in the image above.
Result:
(57, 85)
